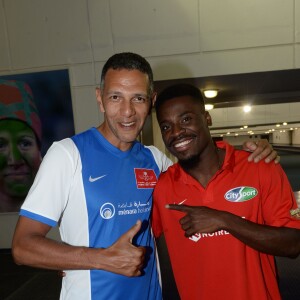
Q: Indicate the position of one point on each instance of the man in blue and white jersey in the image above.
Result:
(97, 186)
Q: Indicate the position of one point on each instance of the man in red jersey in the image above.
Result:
(223, 219)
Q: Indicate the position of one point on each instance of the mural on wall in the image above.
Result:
(35, 111)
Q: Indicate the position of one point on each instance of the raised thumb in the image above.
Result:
(134, 230)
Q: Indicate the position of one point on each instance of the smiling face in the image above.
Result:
(126, 103)
(184, 127)
(19, 158)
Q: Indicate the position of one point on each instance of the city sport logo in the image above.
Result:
(241, 194)
(107, 211)
(145, 178)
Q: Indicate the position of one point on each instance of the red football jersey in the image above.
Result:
(217, 265)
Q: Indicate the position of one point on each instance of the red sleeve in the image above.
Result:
(278, 198)
(156, 218)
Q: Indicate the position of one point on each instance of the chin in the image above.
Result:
(188, 161)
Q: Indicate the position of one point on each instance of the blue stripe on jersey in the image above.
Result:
(38, 218)
(115, 201)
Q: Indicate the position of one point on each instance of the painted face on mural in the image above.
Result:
(20, 159)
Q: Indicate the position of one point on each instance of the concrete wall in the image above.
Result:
(296, 137)
(179, 38)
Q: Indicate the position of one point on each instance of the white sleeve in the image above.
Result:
(161, 159)
(49, 193)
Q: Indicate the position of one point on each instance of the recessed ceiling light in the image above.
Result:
(247, 108)
(284, 123)
(209, 106)
(210, 93)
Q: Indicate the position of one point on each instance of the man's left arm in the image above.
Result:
(277, 241)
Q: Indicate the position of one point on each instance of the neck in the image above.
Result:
(110, 137)
(204, 166)
(10, 203)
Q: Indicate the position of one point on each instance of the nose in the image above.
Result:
(14, 155)
(178, 130)
(127, 108)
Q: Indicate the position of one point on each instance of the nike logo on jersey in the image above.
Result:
(182, 202)
(91, 179)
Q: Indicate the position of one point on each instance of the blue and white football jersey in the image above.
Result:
(96, 192)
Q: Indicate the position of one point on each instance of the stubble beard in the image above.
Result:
(189, 162)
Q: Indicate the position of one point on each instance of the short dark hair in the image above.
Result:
(128, 61)
(179, 90)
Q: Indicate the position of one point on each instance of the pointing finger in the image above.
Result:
(183, 208)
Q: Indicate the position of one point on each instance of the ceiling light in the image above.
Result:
(277, 125)
(210, 93)
(245, 126)
(209, 106)
(284, 123)
(247, 108)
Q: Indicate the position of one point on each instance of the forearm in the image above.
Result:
(31, 247)
(277, 241)
(41, 252)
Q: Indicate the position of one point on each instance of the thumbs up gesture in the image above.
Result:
(123, 257)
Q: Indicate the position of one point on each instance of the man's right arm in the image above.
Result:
(31, 247)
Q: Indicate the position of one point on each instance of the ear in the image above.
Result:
(208, 119)
(153, 99)
(99, 99)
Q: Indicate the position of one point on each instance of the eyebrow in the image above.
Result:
(121, 93)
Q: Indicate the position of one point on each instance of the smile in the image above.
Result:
(128, 124)
(182, 144)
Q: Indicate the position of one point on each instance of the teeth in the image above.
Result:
(127, 124)
(182, 144)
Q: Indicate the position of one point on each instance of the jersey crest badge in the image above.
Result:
(145, 178)
(295, 213)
